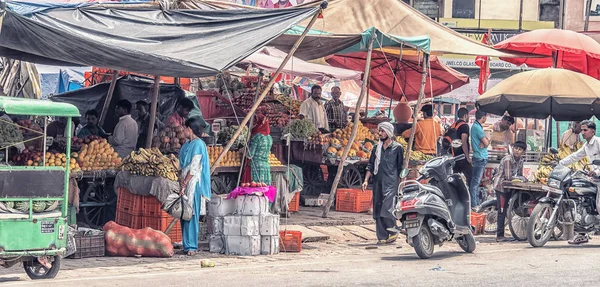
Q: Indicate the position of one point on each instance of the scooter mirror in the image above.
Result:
(404, 173)
(596, 162)
(553, 150)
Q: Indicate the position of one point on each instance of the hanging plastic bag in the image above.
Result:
(178, 206)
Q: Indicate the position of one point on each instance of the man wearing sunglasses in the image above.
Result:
(591, 149)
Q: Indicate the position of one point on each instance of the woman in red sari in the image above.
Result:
(257, 167)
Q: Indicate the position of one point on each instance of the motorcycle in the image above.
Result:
(571, 197)
(438, 211)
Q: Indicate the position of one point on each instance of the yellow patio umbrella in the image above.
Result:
(562, 94)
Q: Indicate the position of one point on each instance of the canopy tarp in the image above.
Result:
(178, 43)
(270, 59)
(408, 74)
(396, 18)
(20, 106)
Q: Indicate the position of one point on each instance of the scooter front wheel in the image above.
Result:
(423, 243)
(467, 242)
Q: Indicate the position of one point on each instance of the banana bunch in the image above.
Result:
(549, 159)
(151, 162)
(419, 156)
(402, 142)
(542, 174)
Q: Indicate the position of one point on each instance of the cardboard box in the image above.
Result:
(269, 245)
(251, 205)
(219, 206)
(242, 245)
(237, 225)
(216, 244)
(269, 224)
(214, 225)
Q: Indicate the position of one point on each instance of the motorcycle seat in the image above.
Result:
(434, 190)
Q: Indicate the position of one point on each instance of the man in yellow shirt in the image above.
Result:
(427, 132)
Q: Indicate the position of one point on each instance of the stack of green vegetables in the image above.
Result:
(23, 206)
(300, 129)
(9, 134)
(227, 133)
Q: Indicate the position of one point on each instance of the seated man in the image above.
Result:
(510, 168)
(91, 128)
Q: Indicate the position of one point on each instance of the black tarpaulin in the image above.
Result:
(131, 88)
(178, 43)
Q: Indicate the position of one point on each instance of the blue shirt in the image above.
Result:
(476, 135)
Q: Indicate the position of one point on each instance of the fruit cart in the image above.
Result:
(34, 200)
(98, 199)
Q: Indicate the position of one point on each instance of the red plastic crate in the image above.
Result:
(128, 202)
(294, 205)
(478, 221)
(129, 220)
(151, 206)
(353, 200)
(290, 241)
(161, 223)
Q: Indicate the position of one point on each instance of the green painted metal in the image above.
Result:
(20, 106)
(421, 43)
(37, 253)
(30, 236)
(67, 166)
(9, 168)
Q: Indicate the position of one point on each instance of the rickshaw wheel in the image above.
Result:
(217, 185)
(36, 271)
(102, 207)
(314, 183)
(351, 177)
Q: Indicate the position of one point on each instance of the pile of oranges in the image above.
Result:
(98, 155)
(60, 159)
(232, 158)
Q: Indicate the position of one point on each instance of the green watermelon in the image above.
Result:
(22, 206)
(9, 204)
(39, 206)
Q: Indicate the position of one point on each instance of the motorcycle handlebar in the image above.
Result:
(459, 157)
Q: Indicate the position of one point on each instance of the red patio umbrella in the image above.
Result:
(408, 74)
(563, 48)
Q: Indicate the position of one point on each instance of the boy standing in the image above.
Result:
(511, 167)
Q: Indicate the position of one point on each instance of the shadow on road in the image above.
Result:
(9, 279)
(414, 257)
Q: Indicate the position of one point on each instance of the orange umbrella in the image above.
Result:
(563, 48)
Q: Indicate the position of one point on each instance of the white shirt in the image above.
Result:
(315, 111)
(590, 149)
(124, 138)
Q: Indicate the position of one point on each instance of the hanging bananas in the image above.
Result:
(151, 162)
(549, 160)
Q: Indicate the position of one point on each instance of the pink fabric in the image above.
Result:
(269, 192)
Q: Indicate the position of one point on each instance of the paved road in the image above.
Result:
(347, 264)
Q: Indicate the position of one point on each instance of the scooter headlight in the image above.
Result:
(554, 183)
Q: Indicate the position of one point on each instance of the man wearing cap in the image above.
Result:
(385, 165)
(427, 132)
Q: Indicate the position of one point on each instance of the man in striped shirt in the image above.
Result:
(336, 112)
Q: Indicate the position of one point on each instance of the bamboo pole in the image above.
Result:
(267, 88)
(153, 106)
(111, 91)
(363, 91)
(411, 140)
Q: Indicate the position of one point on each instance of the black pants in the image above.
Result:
(381, 226)
(501, 205)
(465, 168)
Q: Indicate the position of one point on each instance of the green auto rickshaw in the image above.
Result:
(37, 238)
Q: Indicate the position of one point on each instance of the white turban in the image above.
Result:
(388, 128)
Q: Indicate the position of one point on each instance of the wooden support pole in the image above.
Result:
(363, 91)
(266, 90)
(588, 10)
(521, 16)
(111, 91)
(153, 106)
(411, 140)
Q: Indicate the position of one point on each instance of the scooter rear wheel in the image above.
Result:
(423, 243)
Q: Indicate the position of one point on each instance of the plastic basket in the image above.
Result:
(478, 221)
(161, 223)
(129, 202)
(294, 205)
(88, 246)
(128, 220)
(290, 241)
(353, 200)
(151, 206)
